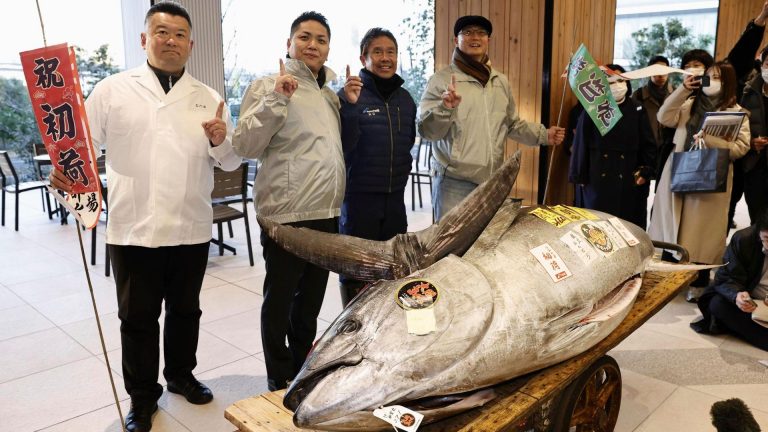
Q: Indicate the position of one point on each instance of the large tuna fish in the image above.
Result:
(498, 313)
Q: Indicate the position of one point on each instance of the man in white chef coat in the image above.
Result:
(164, 132)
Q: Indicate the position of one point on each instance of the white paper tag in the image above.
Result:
(420, 321)
(551, 261)
(400, 417)
(580, 246)
(624, 231)
(617, 239)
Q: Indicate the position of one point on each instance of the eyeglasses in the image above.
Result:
(477, 32)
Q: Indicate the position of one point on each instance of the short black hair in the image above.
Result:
(310, 16)
(169, 7)
(697, 54)
(658, 59)
(372, 34)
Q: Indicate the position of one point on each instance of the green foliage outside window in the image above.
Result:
(670, 39)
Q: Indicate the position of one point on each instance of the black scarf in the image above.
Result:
(385, 86)
(478, 70)
(658, 93)
(701, 105)
(167, 80)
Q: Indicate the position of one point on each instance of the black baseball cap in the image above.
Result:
(469, 20)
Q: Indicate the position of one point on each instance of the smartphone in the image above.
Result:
(704, 80)
(752, 302)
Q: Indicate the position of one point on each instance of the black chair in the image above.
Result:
(420, 174)
(8, 174)
(41, 171)
(230, 187)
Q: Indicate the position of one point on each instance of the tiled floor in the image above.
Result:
(53, 375)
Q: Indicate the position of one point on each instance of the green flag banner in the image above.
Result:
(590, 85)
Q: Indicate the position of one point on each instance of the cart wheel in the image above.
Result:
(591, 403)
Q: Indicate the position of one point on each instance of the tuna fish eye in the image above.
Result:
(349, 326)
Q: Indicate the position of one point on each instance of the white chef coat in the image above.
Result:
(159, 161)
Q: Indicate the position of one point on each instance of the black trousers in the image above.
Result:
(756, 190)
(145, 277)
(372, 216)
(293, 294)
(738, 322)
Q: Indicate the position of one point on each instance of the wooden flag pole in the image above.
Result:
(98, 324)
(87, 273)
(559, 116)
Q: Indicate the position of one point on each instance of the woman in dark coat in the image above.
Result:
(612, 172)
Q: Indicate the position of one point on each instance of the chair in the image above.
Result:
(229, 188)
(38, 149)
(8, 173)
(420, 171)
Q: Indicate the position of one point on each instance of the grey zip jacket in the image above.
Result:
(468, 141)
(297, 142)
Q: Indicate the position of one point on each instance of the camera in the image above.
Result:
(704, 80)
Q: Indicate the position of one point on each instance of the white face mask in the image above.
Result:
(696, 71)
(713, 89)
(619, 90)
(764, 73)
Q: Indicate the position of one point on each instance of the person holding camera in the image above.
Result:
(684, 218)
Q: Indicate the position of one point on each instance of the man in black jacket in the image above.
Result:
(728, 303)
(377, 134)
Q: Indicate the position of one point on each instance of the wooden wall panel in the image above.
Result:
(591, 22)
(733, 17)
(516, 49)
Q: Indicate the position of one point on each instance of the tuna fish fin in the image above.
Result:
(405, 253)
(666, 266)
(566, 338)
(499, 225)
(459, 228)
(358, 258)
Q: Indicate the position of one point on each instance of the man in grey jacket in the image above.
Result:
(290, 123)
(468, 112)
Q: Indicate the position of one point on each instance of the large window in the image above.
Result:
(100, 49)
(255, 37)
(645, 28)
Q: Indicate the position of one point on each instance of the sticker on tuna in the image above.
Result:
(614, 235)
(580, 246)
(584, 212)
(551, 261)
(568, 213)
(400, 417)
(597, 238)
(550, 217)
(624, 231)
(416, 294)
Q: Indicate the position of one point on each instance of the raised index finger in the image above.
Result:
(348, 74)
(282, 67)
(453, 81)
(220, 110)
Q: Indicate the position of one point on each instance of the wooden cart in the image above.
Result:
(584, 391)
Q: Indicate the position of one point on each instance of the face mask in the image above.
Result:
(619, 90)
(713, 89)
(696, 71)
(764, 73)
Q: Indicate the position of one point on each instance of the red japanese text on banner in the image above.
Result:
(57, 102)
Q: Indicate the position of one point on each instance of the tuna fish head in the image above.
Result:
(367, 357)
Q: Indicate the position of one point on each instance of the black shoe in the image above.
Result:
(192, 389)
(139, 418)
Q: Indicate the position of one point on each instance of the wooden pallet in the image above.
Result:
(517, 400)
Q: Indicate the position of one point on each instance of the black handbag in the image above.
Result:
(700, 169)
